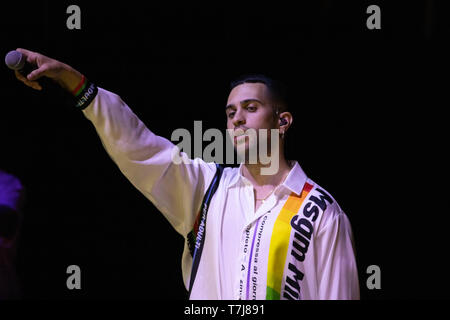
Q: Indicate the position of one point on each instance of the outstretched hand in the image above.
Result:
(60, 72)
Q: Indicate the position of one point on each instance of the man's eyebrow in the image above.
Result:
(244, 102)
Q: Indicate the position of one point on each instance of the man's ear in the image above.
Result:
(285, 119)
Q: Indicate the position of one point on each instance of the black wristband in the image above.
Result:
(85, 97)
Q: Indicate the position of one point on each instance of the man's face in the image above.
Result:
(249, 107)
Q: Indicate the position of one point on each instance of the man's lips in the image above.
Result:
(239, 132)
(240, 138)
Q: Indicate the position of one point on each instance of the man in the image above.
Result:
(11, 197)
(278, 236)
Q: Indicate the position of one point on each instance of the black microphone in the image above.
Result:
(15, 60)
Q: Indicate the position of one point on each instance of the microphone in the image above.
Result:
(17, 61)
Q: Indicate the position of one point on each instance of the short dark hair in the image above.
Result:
(277, 89)
(278, 93)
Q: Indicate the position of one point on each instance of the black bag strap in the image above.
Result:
(197, 247)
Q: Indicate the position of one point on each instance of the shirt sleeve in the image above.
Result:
(337, 271)
(177, 190)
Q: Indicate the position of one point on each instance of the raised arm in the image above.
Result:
(143, 157)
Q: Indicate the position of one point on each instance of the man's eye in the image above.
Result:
(251, 108)
(230, 115)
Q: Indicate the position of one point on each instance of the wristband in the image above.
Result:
(86, 94)
(80, 86)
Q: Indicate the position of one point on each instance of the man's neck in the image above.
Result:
(253, 173)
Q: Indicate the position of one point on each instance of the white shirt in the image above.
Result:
(304, 251)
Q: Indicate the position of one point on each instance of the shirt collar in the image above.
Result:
(294, 181)
(237, 178)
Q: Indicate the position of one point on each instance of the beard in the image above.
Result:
(253, 147)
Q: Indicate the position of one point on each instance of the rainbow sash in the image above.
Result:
(279, 242)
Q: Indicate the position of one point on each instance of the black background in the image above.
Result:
(368, 127)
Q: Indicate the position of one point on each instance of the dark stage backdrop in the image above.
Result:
(368, 122)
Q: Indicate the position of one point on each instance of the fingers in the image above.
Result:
(36, 74)
(24, 51)
(30, 55)
(32, 84)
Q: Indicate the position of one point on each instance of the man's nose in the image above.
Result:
(238, 118)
